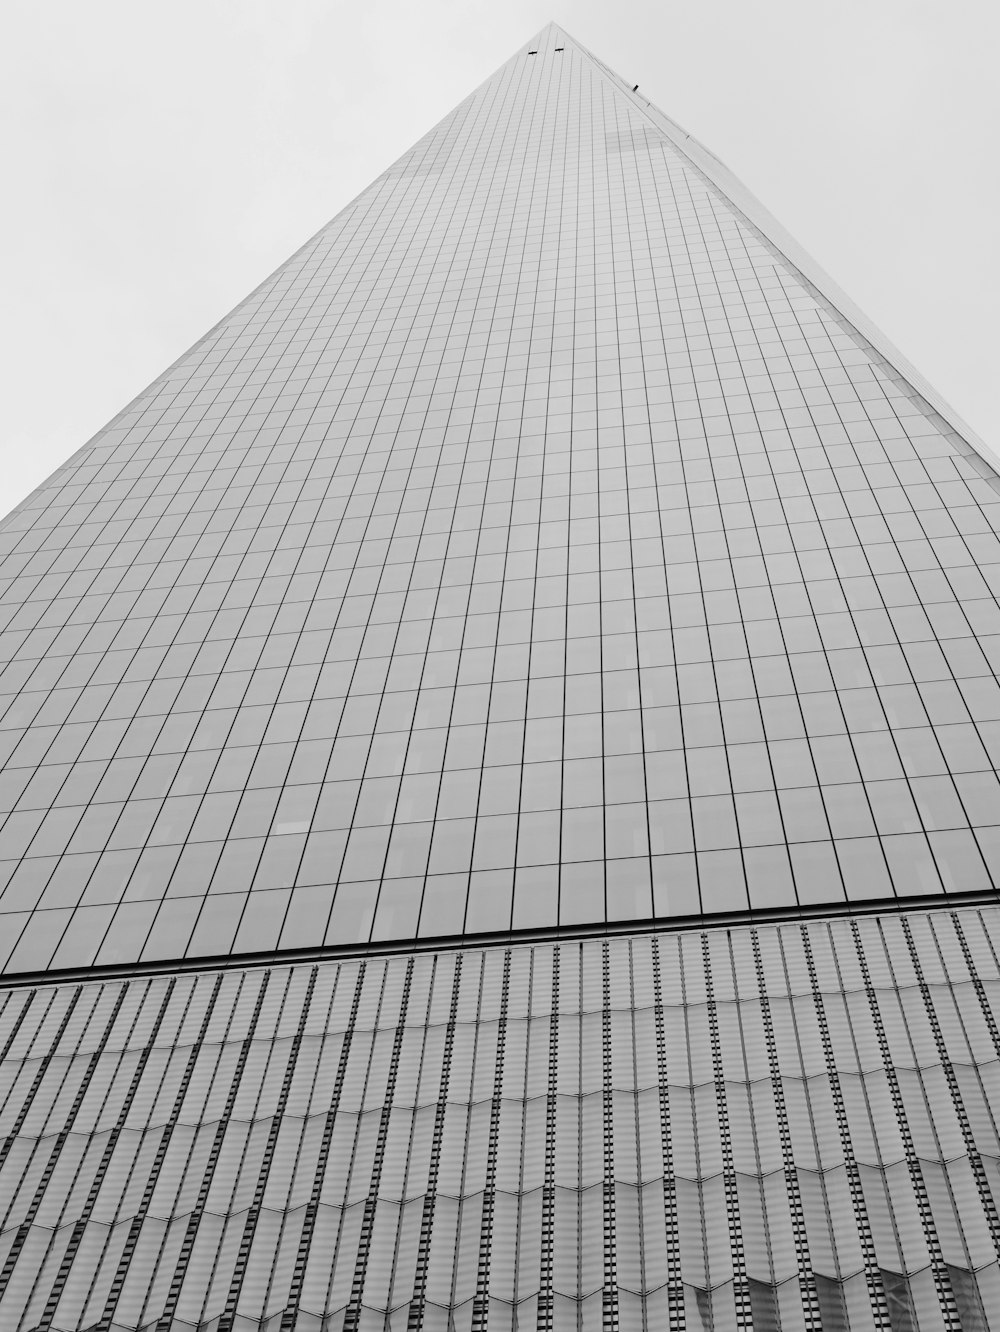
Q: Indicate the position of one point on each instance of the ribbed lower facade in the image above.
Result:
(783, 1126)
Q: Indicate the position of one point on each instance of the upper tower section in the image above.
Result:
(547, 543)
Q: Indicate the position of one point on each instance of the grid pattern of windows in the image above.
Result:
(538, 546)
(785, 1127)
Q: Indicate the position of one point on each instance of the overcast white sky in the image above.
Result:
(160, 160)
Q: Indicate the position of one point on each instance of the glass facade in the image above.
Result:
(499, 816)
(538, 546)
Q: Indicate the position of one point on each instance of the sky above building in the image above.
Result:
(160, 168)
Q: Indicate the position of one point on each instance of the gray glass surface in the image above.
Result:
(539, 545)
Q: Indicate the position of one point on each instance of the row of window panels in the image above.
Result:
(521, 1166)
(485, 818)
(774, 697)
(527, 689)
(775, 639)
(397, 371)
(335, 342)
(387, 536)
(814, 521)
(641, 1256)
(677, 508)
(164, 665)
(176, 671)
(951, 948)
(366, 554)
(800, 1056)
(422, 574)
(570, 523)
(220, 856)
(862, 738)
(710, 797)
(783, 739)
(314, 350)
(482, 473)
(657, 345)
(879, 411)
(891, 434)
(332, 467)
(654, 337)
(638, 1071)
(398, 579)
(758, 1243)
(844, 1306)
(725, 389)
(790, 382)
(940, 940)
(680, 535)
(680, 509)
(326, 381)
(751, 743)
(673, 348)
(921, 730)
(610, 589)
(886, 423)
(711, 534)
(481, 901)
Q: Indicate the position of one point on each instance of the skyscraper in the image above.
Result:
(500, 821)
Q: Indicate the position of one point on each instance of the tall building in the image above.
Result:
(500, 814)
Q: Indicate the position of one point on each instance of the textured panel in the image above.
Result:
(791, 1126)
(538, 545)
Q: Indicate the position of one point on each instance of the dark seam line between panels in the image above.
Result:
(807, 1282)
(166, 1319)
(609, 1292)
(481, 1299)
(352, 1314)
(262, 1287)
(104, 1322)
(289, 1315)
(873, 1275)
(942, 1283)
(741, 1288)
(80, 1225)
(250, 1225)
(415, 1317)
(565, 933)
(24, 1228)
(675, 1286)
(43, 1066)
(544, 1316)
(22, 1014)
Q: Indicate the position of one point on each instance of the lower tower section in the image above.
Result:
(782, 1125)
